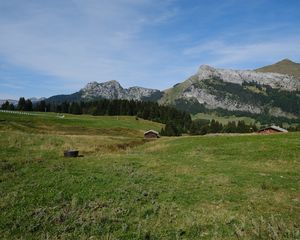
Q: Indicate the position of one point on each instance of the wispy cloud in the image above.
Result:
(12, 86)
(221, 53)
(4, 95)
(61, 45)
(88, 40)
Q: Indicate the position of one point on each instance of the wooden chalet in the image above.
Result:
(272, 129)
(151, 134)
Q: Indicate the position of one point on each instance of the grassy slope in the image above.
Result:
(216, 187)
(285, 67)
(223, 119)
(77, 124)
(173, 93)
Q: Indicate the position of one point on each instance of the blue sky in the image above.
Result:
(58, 46)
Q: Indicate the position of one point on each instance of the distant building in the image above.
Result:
(272, 129)
(151, 134)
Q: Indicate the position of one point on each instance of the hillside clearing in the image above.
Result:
(77, 124)
(223, 119)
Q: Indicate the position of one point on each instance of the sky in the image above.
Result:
(54, 47)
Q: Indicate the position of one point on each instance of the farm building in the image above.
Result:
(151, 134)
(272, 129)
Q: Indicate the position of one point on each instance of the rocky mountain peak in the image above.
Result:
(94, 83)
(207, 72)
(205, 68)
(113, 90)
(113, 82)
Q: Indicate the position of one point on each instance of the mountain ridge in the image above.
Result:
(113, 90)
(210, 88)
(236, 90)
(275, 80)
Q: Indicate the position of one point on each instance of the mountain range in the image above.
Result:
(237, 90)
(109, 90)
(272, 90)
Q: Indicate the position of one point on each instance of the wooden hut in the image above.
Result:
(151, 134)
(272, 129)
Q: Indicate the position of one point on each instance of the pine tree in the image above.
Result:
(21, 104)
(28, 105)
(172, 130)
(5, 106)
(204, 129)
(241, 127)
(11, 107)
(75, 108)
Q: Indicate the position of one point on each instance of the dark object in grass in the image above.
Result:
(71, 153)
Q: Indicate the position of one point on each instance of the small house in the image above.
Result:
(272, 129)
(151, 134)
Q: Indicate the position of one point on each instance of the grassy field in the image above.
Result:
(223, 119)
(77, 124)
(206, 187)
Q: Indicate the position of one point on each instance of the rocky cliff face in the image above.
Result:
(238, 90)
(139, 93)
(274, 80)
(113, 90)
(212, 101)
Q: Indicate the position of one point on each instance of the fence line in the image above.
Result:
(17, 112)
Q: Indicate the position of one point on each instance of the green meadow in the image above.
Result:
(125, 187)
(223, 119)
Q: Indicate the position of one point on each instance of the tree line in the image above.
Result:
(180, 121)
(204, 126)
(146, 110)
(177, 122)
(23, 105)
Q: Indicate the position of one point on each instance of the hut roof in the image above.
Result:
(151, 131)
(276, 128)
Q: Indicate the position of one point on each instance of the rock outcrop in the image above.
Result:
(113, 90)
(274, 80)
(237, 90)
